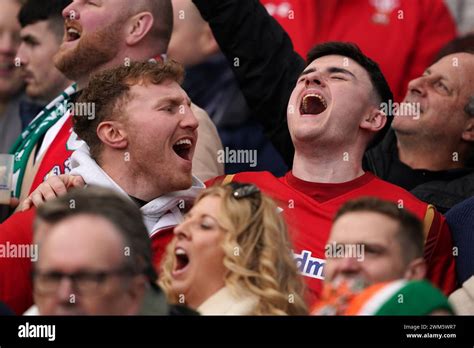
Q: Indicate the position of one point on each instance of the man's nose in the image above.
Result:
(314, 79)
(65, 291)
(418, 86)
(189, 120)
(22, 56)
(349, 265)
(71, 12)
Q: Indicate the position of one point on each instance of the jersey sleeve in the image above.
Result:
(16, 289)
(439, 252)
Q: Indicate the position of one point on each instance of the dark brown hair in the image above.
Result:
(410, 232)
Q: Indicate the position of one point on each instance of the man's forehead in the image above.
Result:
(364, 226)
(457, 61)
(335, 60)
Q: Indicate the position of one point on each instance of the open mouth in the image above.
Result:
(181, 260)
(313, 104)
(72, 34)
(183, 148)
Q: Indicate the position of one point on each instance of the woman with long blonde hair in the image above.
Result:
(232, 255)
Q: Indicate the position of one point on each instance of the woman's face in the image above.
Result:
(198, 257)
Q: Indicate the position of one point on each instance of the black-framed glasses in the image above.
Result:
(83, 282)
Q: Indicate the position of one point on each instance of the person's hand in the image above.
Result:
(50, 189)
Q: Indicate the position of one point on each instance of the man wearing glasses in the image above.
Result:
(95, 259)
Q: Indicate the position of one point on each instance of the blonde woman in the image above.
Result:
(231, 255)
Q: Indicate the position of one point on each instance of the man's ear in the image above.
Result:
(112, 134)
(468, 132)
(416, 269)
(374, 121)
(138, 27)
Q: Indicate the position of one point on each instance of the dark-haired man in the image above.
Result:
(41, 35)
(333, 117)
(442, 178)
(388, 243)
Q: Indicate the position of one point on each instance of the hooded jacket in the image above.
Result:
(159, 215)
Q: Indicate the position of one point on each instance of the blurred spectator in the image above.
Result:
(399, 297)
(461, 221)
(231, 255)
(463, 299)
(403, 36)
(380, 242)
(95, 257)
(463, 13)
(11, 84)
(376, 245)
(41, 35)
(268, 97)
(210, 84)
(327, 169)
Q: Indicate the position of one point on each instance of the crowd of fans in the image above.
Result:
(181, 157)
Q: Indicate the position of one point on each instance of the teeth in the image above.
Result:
(72, 31)
(184, 141)
(180, 251)
(320, 97)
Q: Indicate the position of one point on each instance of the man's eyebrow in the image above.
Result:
(307, 71)
(28, 38)
(330, 70)
(334, 69)
(175, 100)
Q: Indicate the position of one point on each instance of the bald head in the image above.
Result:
(162, 12)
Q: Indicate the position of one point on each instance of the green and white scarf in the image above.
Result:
(26, 142)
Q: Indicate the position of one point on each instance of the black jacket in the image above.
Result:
(267, 68)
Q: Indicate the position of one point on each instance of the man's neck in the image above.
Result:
(428, 155)
(130, 181)
(325, 167)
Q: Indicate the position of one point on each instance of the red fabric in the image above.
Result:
(310, 222)
(56, 158)
(159, 242)
(404, 47)
(15, 281)
(16, 288)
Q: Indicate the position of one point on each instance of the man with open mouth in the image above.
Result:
(333, 116)
(98, 35)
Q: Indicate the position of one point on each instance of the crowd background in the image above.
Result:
(184, 157)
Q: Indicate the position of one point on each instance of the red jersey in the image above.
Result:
(16, 288)
(309, 209)
(403, 36)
